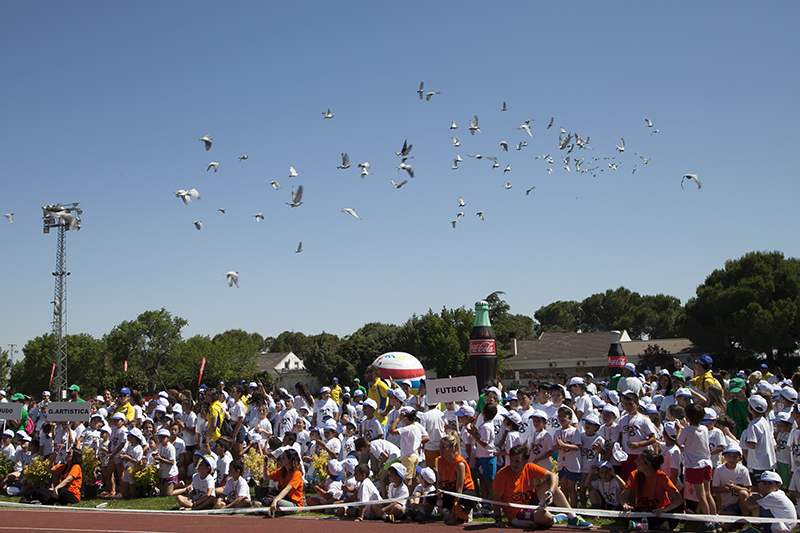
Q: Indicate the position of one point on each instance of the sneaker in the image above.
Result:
(578, 523)
(560, 518)
(388, 518)
(634, 526)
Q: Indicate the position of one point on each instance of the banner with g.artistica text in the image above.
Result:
(68, 411)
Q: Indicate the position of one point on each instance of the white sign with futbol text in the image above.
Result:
(452, 389)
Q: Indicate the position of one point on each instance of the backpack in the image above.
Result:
(29, 426)
(225, 428)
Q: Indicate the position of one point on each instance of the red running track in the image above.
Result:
(59, 521)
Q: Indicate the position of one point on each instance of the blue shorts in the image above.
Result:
(487, 467)
(572, 476)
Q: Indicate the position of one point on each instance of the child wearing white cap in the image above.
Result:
(168, 468)
(758, 440)
(201, 489)
(592, 445)
(540, 443)
(331, 490)
(398, 490)
(132, 456)
(770, 501)
(731, 480)
(783, 429)
(423, 497)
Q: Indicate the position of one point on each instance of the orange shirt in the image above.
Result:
(448, 474)
(74, 486)
(517, 488)
(655, 491)
(295, 479)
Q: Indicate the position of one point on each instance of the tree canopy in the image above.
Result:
(751, 305)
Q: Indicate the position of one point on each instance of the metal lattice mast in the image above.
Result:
(60, 314)
(64, 218)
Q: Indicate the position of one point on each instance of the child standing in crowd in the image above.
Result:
(636, 432)
(132, 456)
(697, 456)
(673, 456)
(783, 429)
(485, 451)
(168, 469)
(609, 431)
(758, 438)
(568, 444)
(591, 449)
(371, 427)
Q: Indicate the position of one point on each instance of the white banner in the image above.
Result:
(10, 411)
(68, 411)
(452, 389)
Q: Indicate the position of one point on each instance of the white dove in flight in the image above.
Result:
(453, 125)
(428, 96)
(350, 211)
(299, 248)
(526, 127)
(690, 177)
(275, 185)
(187, 196)
(504, 145)
(259, 217)
(10, 217)
(327, 114)
(198, 224)
(621, 145)
(244, 157)
(407, 168)
(296, 197)
(461, 202)
(292, 172)
(406, 149)
(456, 142)
(480, 215)
(507, 185)
(398, 185)
(212, 164)
(233, 278)
(473, 126)
(206, 139)
(345, 162)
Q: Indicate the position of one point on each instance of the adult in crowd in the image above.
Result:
(629, 382)
(124, 404)
(336, 390)
(378, 391)
(453, 475)
(69, 476)
(303, 397)
(651, 490)
(704, 378)
(525, 483)
(22, 423)
(737, 407)
(74, 393)
(289, 478)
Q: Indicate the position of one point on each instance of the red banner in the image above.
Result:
(52, 370)
(125, 367)
(202, 367)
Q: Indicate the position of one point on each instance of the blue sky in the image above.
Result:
(104, 104)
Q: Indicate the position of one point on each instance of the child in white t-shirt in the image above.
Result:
(398, 490)
(716, 438)
(201, 489)
(236, 492)
(673, 456)
(132, 456)
(168, 468)
(697, 458)
(568, 443)
(731, 478)
(423, 497)
(591, 448)
(783, 430)
(540, 442)
(605, 490)
(331, 491)
(367, 492)
(771, 501)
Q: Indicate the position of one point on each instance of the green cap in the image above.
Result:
(357, 380)
(74, 387)
(736, 385)
(17, 396)
(678, 374)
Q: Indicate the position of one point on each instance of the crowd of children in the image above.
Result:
(703, 443)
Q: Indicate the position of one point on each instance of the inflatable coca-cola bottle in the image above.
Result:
(482, 346)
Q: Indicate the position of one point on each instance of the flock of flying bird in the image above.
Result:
(568, 143)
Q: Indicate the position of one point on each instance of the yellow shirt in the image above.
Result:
(214, 418)
(126, 410)
(705, 381)
(336, 393)
(379, 392)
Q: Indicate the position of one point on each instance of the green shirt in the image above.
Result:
(738, 411)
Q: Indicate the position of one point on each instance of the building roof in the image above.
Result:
(555, 345)
(672, 346)
(269, 360)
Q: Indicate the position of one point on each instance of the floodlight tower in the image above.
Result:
(64, 218)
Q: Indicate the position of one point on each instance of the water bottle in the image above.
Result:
(645, 525)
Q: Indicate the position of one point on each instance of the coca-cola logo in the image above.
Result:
(482, 347)
(616, 362)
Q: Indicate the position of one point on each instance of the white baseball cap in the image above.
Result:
(771, 476)
(370, 402)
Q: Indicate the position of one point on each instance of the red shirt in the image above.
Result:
(517, 488)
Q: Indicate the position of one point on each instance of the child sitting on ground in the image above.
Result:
(769, 502)
(423, 498)
(201, 489)
(605, 490)
(367, 492)
(730, 479)
(398, 490)
(236, 492)
(331, 491)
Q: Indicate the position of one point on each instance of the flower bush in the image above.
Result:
(90, 465)
(38, 471)
(6, 466)
(254, 464)
(144, 476)
(319, 464)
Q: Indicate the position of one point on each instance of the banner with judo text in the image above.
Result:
(452, 389)
(10, 411)
(68, 411)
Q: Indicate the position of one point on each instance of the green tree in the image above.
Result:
(323, 360)
(752, 305)
(559, 316)
(655, 356)
(442, 340)
(5, 368)
(504, 323)
(642, 316)
(147, 343)
(86, 365)
(290, 341)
